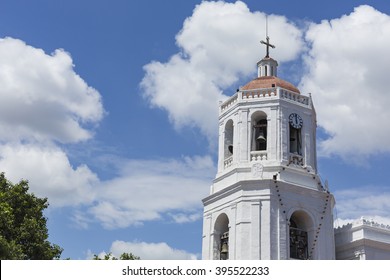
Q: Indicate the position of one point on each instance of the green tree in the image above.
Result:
(129, 256)
(23, 231)
(124, 256)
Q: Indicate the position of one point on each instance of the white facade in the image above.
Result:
(363, 240)
(267, 201)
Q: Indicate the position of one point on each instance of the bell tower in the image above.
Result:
(267, 200)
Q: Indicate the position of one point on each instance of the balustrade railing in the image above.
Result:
(294, 97)
(247, 95)
(254, 94)
(258, 155)
(228, 162)
(230, 102)
(296, 159)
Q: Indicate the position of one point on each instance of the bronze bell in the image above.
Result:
(225, 248)
(261, 137)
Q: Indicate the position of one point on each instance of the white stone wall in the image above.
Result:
(258, 219)
(364, 240)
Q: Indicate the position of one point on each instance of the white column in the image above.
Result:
(232, 233)
(255, 230)
(206, 246)
(244, 148)
(272, 138)
(283, 235)
(236, 145)
(265, 229)
(243, 239)
(284, 131)
(308, 154)
(221, 147)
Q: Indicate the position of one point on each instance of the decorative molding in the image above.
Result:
(259, 155)
(363, 222)
(228, 162)
(257, 170)
(296, 159)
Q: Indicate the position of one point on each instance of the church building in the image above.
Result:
(267, 200)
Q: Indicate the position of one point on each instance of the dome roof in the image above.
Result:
(269, 82)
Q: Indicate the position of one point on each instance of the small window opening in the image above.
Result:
(224, 248)
(260, 135)
(295, 141)
(298, 242)
(221, 241)
(228, 139)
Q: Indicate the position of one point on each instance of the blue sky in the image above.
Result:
(109, 108)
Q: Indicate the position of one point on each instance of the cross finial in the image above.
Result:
(268, 44)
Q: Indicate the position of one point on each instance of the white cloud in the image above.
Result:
(150, 251)
(42, 98)
(145, 189)
(43, 101)
(181, 218)
(369, 201)
(348, 66)
(219, 45)
(49, 173)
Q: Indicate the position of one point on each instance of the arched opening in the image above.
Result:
(299, 226)
(259, 132)
(221, 241)
(295, 140)
(228, 141)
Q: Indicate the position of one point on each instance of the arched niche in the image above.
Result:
(300, 227)
(228, 141)
(295, 140)
(259, 131)
(221, 237)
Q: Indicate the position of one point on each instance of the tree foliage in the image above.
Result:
(23, 231)
(124, 256)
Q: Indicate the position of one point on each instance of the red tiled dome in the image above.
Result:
(269, 82)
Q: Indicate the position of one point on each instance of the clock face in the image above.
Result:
(295, 120)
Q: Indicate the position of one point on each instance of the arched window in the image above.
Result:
(259, 132)
(224, 247)
(221, 241)
(299, 225)
(228, 141)
(295, 140)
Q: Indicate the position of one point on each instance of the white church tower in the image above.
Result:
(267, 200)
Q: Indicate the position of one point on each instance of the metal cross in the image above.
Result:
(268, 45)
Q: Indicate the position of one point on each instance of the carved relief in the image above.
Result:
(257, 170)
